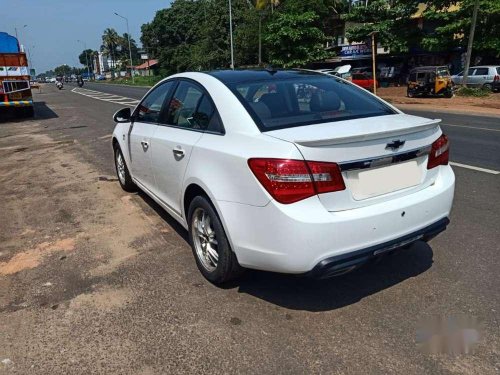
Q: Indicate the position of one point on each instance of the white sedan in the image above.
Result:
(286, 171)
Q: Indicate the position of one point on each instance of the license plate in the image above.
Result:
(15, 96)
(373, 182)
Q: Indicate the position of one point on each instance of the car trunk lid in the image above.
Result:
(380, 157)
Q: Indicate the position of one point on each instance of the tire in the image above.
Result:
(488, 86)
(409, 93)
(122, 172)
(448, 94)
(203, 221)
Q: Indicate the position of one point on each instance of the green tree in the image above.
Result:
(453, 20)
(82, 58)
(294, 40)
(65, 70)
(110, 42)
(194, 35)
(392, 19)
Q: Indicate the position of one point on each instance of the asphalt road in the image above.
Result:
(475, 140)
(95, 280)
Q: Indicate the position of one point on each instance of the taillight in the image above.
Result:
(289, 181)
(440, 152)
(497, 78)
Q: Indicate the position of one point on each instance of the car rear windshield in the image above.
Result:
(289, 102)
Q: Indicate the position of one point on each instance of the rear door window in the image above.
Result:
(481, 72)
(192, 108)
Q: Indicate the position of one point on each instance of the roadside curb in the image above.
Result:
(423, 107)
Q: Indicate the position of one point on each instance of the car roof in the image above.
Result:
(245, 75)
(485, 66)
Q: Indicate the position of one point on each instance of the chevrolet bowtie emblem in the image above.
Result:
(394, 145)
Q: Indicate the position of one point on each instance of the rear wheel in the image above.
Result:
(211, 249)
(122, 172)
(410, 93)
(488, 86)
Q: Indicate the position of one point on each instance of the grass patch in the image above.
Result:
(139, 81)
(474, 92)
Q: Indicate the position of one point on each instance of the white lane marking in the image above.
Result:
(485, 170)
(471, 127)
(105, 97)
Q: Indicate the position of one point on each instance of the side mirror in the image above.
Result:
(123, 115)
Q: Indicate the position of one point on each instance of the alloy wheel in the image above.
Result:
(204, 239)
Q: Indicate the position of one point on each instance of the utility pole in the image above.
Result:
(469, 44)
(231, 34)
(260, 39)
(129, 48)
(374, 68)
(86, 57)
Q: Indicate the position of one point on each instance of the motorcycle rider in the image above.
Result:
(59, 82)
(79, 81)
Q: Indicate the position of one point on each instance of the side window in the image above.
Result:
(413, 77)
(481, 72)
(183, 105)
(191, 108)
(150, 108)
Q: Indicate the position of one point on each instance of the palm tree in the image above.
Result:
(110, 39)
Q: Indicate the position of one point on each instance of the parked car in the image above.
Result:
(340, 71)
(364, 80)
(480, 76)
(263, 180)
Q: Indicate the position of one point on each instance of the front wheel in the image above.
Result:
(212, 252)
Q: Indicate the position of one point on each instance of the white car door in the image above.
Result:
(145, 122)
(190, 113)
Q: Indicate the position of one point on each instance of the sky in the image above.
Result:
(55, 26)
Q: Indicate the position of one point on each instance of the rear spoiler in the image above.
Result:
(369, 136)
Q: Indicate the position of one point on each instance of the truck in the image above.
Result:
(15, 88)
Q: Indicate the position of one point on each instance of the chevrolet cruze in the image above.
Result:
(288, 171)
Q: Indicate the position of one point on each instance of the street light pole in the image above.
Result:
(86, 58)
(129, 48)
(17, 37)
(231, 34)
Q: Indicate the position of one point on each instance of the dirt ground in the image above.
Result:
(71, 228)
(486, 106)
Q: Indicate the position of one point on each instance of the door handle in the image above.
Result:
(145, 145)
(178, 151)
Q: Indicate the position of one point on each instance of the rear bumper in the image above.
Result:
(340, 264)
(296, 238)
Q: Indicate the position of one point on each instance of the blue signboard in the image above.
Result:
(355, 51)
